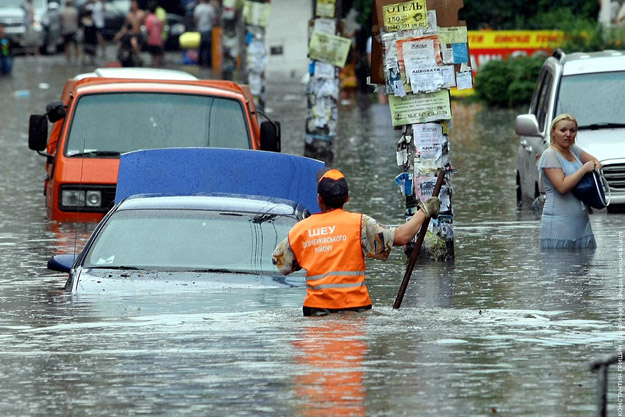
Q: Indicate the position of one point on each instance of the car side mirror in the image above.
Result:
(270, 136)
(38, 132)
(61, 263)
(526, 125)
(55, 111)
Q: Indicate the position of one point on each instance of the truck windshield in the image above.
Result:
(111, 124)
(593, 98)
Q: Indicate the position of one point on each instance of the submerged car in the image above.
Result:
(184, 243)
(591, 87)
(106, 113)
(195, 219)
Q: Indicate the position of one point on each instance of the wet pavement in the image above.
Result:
(503, 329)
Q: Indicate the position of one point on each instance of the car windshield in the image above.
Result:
(189, 240)
(593, 98)
(111, 124)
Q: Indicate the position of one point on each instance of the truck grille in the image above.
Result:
(615, 175)
(108, 198)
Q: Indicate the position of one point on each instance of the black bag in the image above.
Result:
(590, 190)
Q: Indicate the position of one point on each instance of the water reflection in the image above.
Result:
(330, 351)
(566, 263)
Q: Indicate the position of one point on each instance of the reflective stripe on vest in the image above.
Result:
(327, 245)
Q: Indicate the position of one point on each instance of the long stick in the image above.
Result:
(417, 249)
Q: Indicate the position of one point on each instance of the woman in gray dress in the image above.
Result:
(565, 222)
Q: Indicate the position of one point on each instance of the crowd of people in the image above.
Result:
(144, 29)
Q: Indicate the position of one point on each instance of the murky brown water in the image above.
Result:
(504, 328)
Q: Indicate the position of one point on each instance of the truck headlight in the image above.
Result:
(81, 198)
(73, 198)
(93, 198)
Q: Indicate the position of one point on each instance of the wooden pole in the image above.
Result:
(417, 249)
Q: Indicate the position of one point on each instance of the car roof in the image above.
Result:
(140, 73)
(215, 202)
(589, 62)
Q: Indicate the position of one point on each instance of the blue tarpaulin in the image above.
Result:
(186, 171)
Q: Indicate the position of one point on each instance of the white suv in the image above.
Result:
(591, 87)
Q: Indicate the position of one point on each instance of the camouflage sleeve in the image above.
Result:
(284, 258)
(377, 240)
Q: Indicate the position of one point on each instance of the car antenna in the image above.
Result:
(80, 188)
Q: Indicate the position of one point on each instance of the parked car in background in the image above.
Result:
(174, 27)
(590, 87)
(114, 15)
(47, 23)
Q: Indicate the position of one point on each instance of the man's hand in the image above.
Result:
(431, 207)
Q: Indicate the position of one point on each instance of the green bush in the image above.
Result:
(508, 83)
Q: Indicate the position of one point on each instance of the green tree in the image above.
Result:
(521, 14)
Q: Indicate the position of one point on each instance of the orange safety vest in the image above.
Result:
(327, 245)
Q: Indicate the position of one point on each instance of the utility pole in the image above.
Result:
(327, 55)
(419, 53)
(256, 17)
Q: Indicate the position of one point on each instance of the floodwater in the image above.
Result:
(504, 329)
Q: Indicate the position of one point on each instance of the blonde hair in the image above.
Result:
(559, 118)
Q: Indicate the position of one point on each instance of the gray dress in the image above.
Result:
(565, 222)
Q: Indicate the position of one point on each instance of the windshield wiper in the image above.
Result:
(132, 268)
(262, 218)
(92, 154)
(605, 125)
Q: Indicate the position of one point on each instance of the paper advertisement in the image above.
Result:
(256, 14)
(456, 34)
(420, 108)
(329, 48)
(404, 16)
(325, 26)
(325, 8)
(428, 140)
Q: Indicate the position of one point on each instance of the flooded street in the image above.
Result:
(504, 329)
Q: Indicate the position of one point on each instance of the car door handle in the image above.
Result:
(529, 149)
(523, 142)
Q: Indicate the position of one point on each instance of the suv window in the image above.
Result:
(542, 103)
(111, 124)
(593, 98)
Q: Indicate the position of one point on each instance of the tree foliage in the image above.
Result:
(508, 83)
(522, 14)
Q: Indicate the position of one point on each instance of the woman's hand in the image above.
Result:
(589, 166)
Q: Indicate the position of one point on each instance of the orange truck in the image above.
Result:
(99, 118)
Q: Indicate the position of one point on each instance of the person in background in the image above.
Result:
(90, 37)
(69, 21)
(31, 43)
(97, 8)
(154, 26)
(204, 17)
(132, 26)
(162, 14)
(126, 49)
(6, 52)
(565, 222)
(332, 245)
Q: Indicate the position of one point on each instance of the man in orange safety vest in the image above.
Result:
(332, 245)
